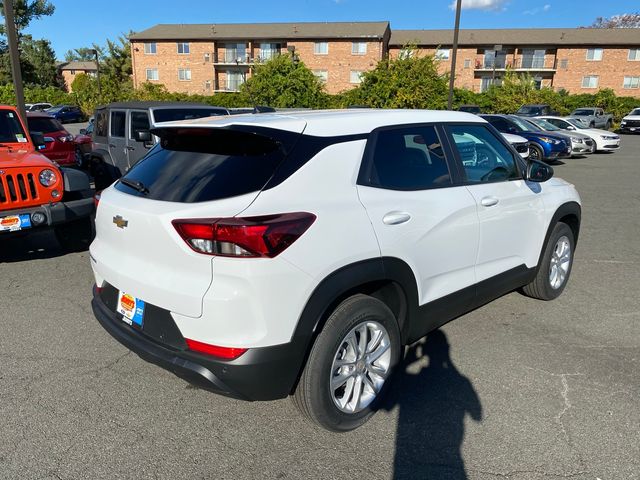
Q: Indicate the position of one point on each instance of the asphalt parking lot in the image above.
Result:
(519, 389)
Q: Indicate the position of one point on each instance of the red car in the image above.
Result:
(60, 145)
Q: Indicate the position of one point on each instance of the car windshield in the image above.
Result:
(583, 113)
(11, 130)
(175, 114)
(576, 123)
(528, 110)
(44, 125)
(635, 111)
(524, 124)
(544, 124)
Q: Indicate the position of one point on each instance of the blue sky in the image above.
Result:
(78, 24)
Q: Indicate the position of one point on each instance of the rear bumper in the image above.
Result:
(266, 373)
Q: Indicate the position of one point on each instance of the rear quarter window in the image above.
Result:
(102, 123)
(44, 125)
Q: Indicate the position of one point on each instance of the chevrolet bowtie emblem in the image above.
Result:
(120, 222)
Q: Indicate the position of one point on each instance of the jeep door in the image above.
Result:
(117, 139)
(418, 213)
(511, 210)
(138, 121)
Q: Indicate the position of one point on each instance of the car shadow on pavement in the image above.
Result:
(433, 399)
(38, 245)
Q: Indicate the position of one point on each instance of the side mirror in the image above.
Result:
(83, 131)
(38, 140)
(538, 172)
(143, 136)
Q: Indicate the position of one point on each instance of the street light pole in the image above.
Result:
(14, 54)
(95, 52)
(454, 55)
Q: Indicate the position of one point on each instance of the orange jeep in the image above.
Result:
(35, 192)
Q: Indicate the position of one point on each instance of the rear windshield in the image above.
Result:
(175, 114)
(11, 130)
(44, 125)
(202, 164)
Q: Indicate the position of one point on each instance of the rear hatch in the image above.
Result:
(195, 173)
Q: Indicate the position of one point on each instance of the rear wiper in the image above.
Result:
(139, 186)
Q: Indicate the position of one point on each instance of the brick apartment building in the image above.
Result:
(69, 70)
(210, 58)
(580, 60)
(206, 59)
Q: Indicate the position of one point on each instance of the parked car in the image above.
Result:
(66, 113)
(581, 144)
(592, 117)
(605, 141)
(521, 144)
(59, 143)
(535, 110)
(37, 107)
(84, 141)
(36, 193)
(117, 144)
(545, 146)
(631, 123)
(475, 109)
(239, 292)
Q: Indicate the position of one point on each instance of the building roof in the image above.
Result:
(87, 66)
(520, 36)
(274, 31)
(329, 123)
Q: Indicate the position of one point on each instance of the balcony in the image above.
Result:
(532, 64)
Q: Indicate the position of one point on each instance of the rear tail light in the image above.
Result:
(265, 236)
(96, 198)
(226, 353)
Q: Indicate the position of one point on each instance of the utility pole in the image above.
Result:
(95, 52)
(14, 54)
(454, 56)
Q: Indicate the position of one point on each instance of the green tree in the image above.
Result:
(39, 62)
(286, 83)
(25, 11)
(116, 62)
(408, 81)
(83, 54)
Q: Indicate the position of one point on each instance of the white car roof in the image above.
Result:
(329, 123)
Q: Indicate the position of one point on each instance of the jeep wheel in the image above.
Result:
(75, 236)
(349, 365)
(555, 266)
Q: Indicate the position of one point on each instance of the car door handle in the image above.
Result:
(396, 218)
(489, 201)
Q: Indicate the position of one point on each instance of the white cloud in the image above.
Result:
(479, 4)
(535, 11)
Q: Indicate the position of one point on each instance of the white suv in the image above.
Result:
(270, 255)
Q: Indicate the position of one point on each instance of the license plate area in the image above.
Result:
(14, 223)
(131, 309)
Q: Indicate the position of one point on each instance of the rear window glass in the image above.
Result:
(197, 165)
(176, 114)
(101, 123)
(44, 125)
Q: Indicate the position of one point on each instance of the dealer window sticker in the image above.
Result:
(20, 138)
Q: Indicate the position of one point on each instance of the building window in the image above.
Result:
(486, 82)
(183, 48)
(355, 76)
(443, 53)
(532, 58)
(184, 74)
(358, 48)
(72, 72)
(467, 63)
(150, 48)
(269, 51)
(634, 54)
(594, 54)
(631, 82)
(321, 48)
(564, 63)
(152, 74)
(323, 75)
(590, 81)
(235, 52)
(234, 80)
(406, 53)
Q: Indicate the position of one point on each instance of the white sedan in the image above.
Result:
(521, 144)
(605, 141)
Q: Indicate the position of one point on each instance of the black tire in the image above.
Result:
(313, 396)
(75, 236)
(609, 125)
(535, 152)
(592, 125)
(541, 286)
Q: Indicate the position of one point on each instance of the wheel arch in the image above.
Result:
(569, 213)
